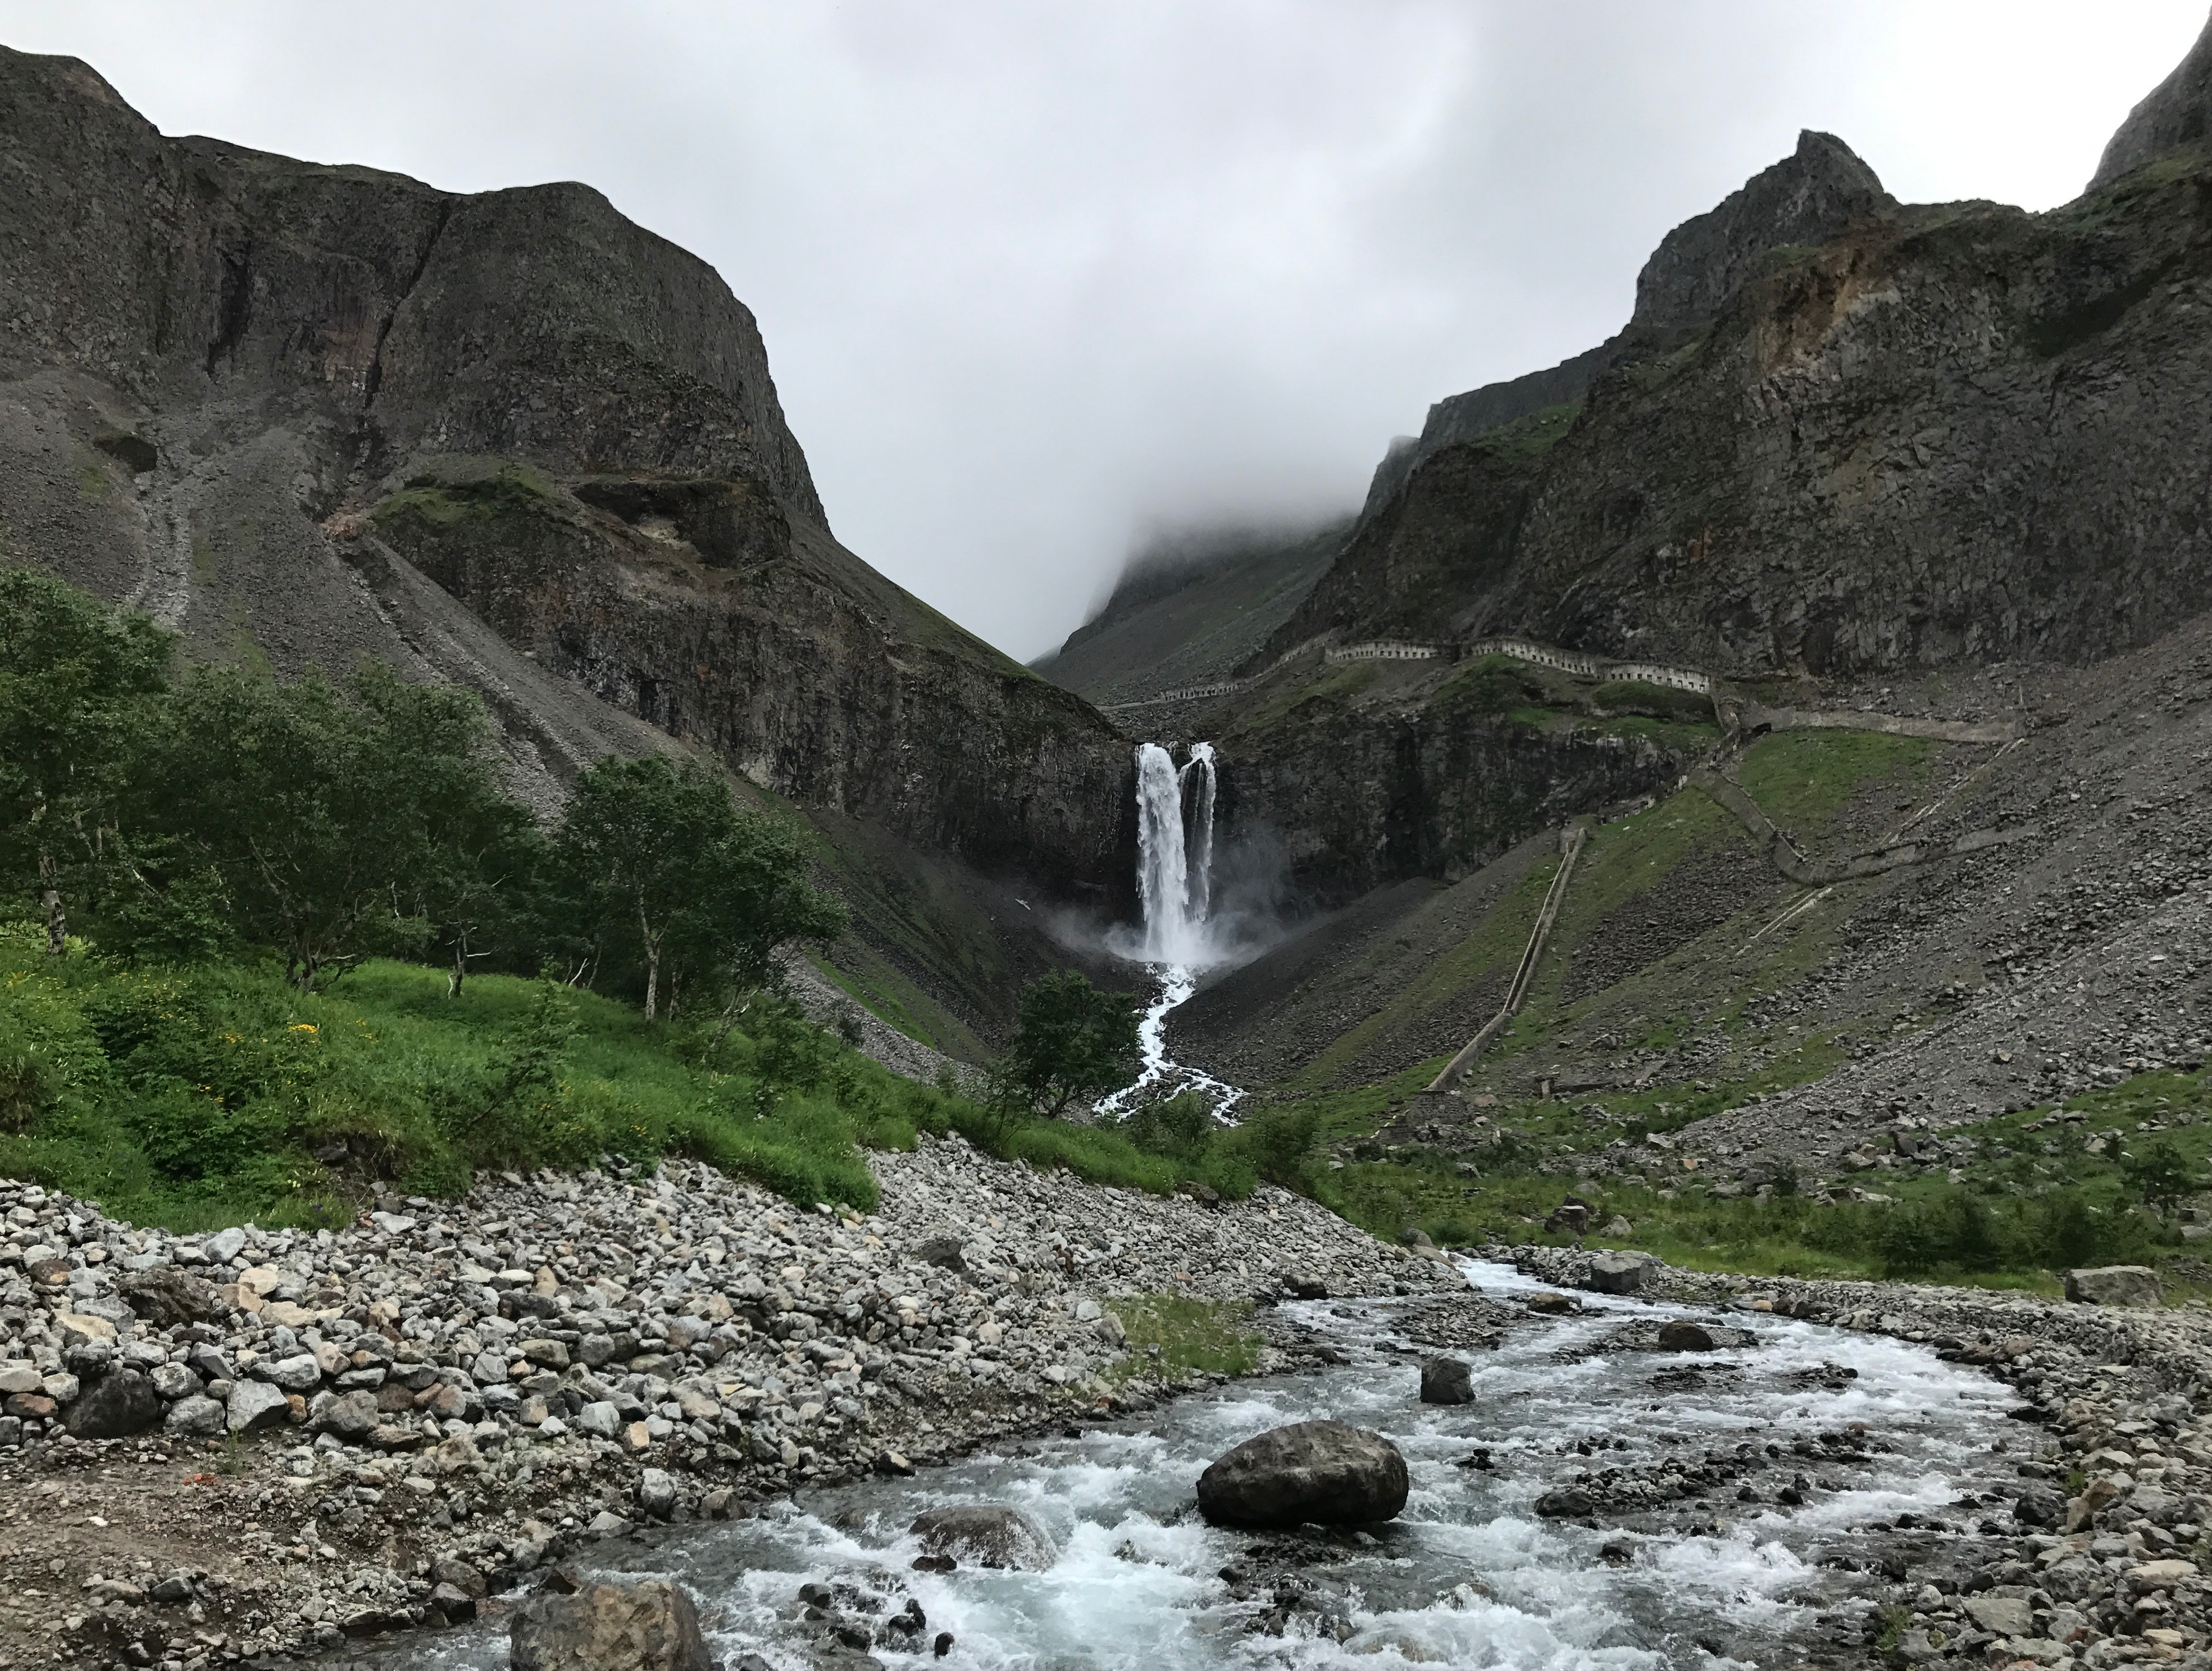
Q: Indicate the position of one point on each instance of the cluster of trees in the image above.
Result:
(219, 812)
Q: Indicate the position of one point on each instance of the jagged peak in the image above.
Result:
(2175, 113)
(1808, 198)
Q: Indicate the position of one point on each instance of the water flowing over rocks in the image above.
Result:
(611, 1627)
(989, 1534)
(477, 1382)
(2098, 1559)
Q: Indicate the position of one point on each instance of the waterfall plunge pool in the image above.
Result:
(1471, 1574)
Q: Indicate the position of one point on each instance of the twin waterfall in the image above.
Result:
(1175, 884)
(1175, 871)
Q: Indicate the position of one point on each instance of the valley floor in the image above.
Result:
(439, 1402)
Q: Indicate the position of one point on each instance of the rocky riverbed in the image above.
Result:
(221, 1448)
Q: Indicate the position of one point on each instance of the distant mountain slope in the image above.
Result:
(1189, 607)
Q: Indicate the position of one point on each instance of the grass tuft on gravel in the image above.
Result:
(1174, 1337)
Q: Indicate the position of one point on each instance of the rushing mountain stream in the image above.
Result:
(1885, 1467)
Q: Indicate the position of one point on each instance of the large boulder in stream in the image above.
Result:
(649, 1626)
(1447, 1380)
(1329, 1472)
(987, 1535)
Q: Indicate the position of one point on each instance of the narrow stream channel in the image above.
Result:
(1470, 1576)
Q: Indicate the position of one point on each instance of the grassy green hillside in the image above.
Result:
(213, 1093)
(1675, 929)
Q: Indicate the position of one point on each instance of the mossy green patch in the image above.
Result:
(1529, 438)
(1173, 1337)
(1801, 779)
(1333, 683)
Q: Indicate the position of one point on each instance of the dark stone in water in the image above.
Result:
(1569, 1502)
(1325, 1473)
(991, 1534)
(1680, 1336)
(1446, 1381)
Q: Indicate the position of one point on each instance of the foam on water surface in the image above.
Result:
(1469, 1576)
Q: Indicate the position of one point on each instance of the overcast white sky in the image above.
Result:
(1035, 276)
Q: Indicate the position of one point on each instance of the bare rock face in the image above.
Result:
(1809, 197)
(609, 1627)
(2115, 1285)
(988, 1535)
(1329, 1472)
(2173, 115)
(1840, 436)
(511, 439)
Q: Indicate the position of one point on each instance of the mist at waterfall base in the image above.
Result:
(1205, 905)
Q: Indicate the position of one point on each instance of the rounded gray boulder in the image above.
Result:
(1329, 1472)
(2114, 1286)
(988, 1534)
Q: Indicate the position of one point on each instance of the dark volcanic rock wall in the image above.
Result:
(1809, 197)
(1957, 432)
(2177, 112)
(305, 413)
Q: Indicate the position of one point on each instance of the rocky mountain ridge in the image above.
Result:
(306, 414)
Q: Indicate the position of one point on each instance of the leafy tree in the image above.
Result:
(2161, 1174)
(660, 865)
(343, 820)
(76, 682)
(1070, 1040)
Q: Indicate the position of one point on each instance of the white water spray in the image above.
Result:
(1174, 885)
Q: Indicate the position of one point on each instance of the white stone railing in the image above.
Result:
(1395, 649)
(1384, 649)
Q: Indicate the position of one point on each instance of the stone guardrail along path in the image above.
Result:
(1735, 713)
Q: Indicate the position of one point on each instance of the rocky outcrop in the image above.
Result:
(1810, 197)
(1329, 1473)
(2114, 1286)
(1953, 434)
(1357, 793)
(2174, 113)
(306, 414)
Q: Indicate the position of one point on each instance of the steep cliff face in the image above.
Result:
(1809, 197)
(1374, 774)
(306, 414)
(1956, 432)
(2176, 112)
